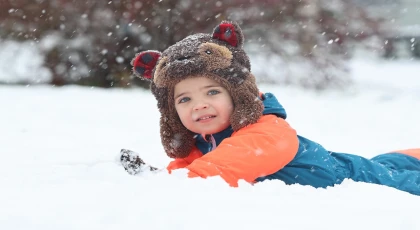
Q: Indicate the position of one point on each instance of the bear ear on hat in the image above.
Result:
(229, 32)
(144, 63)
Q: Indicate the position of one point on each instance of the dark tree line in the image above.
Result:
(92, 42)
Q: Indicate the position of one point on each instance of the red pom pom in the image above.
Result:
(144, 63)
(226, 32)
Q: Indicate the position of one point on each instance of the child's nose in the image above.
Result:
(201, 105)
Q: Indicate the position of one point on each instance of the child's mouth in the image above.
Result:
(206, 118)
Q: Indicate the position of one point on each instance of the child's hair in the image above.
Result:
(218, 56)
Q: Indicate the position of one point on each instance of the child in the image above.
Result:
(215, 122)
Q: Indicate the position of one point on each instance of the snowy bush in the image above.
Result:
(22, 63)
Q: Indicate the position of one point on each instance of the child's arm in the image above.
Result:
(184, 162)
(258, 150)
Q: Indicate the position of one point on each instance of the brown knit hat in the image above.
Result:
(218, 56)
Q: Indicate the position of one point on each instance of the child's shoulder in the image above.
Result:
(270, 119)
(269, 123)
(272, 106)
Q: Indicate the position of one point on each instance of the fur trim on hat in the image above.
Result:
(218, 56)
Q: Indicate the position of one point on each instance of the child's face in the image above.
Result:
(203, 105)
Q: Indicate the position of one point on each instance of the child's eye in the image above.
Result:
(213, 92)
(183, 100)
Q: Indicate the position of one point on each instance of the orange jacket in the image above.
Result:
(257, 150)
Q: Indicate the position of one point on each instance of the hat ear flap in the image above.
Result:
(144, 63)
(177, 140)
(229, 32)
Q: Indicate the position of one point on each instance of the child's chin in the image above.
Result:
(211, 131)
(209, 128)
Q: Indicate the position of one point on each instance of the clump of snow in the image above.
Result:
(22, 62)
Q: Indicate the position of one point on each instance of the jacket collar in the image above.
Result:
(205, 143)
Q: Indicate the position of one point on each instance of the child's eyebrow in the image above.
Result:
(204, 87)
(179, 95)
(210, 86)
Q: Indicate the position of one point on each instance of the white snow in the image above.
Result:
(59, 167)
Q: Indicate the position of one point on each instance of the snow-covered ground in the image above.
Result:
(59, 167)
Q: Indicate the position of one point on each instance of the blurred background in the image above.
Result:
(307, 43)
